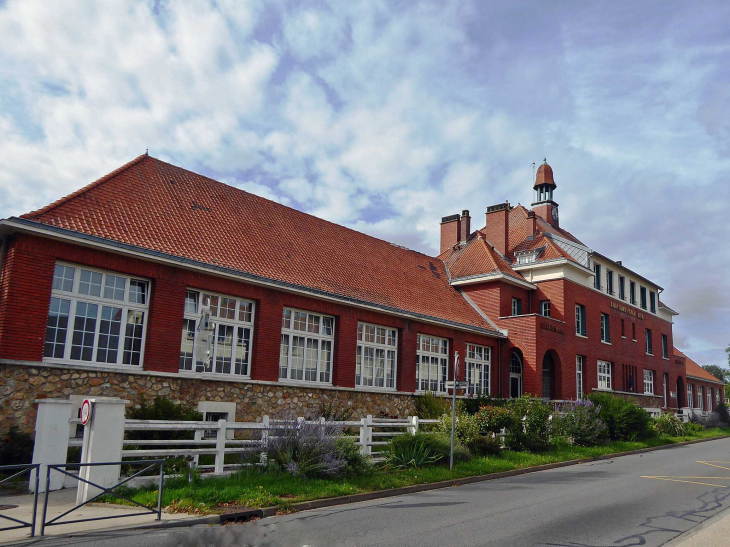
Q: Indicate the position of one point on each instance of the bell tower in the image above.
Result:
(544, 206)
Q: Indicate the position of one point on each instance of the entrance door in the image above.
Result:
(547, 376)
(515, 386)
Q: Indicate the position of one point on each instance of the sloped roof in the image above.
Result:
(695, 370)
(475, 258)
(544, 175)
(157, 206)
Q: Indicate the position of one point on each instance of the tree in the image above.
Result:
(727, 350)
(722, 374)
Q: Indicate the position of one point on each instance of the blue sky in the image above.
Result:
(386, 116)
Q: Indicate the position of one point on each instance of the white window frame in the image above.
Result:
(690, 398)
(545, 307)
(648, 381)
(432, 361)
(515, 302)
(75, 298)
(580, 328)
(373, 339)
(649, 341)
(324, 368)
(665, 346)
(604, 376)
(709, 399)
(517, 375)
(579, 360)
(216, 348)
(478, 365)
(605, 328)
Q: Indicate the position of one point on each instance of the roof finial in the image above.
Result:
(146, 151)
(544, 160)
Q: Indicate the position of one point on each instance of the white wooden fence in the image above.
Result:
(219, 438)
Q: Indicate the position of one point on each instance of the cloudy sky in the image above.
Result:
(385, 116)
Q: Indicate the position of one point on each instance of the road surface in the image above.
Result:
(646, 499)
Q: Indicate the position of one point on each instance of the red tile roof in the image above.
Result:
(157, 206)
(695, 370)
(475, 258)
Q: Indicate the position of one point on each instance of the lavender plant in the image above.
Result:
(580, 423)
(306, 449)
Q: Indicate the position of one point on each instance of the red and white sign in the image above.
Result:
(85, 412)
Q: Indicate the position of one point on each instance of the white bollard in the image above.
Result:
(220, 446)
(52, 432)
(103, 439)
(413, 425)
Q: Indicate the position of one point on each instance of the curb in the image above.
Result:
(379, 494)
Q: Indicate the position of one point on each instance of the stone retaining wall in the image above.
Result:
(20, 385)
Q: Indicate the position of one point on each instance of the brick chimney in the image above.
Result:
(465, 225)
(497, 230)
(532, 222)
(450, 231)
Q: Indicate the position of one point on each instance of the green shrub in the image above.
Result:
(430, 406)
(492, 419)
(580, 424)
(668, 424)
(625, 420)
(16, 448)
(485, 445)
(722, 413)
(165, 409)
(692, 428)
(350, 452)
(533, 430)
(410, 455)
(438, 445)
(466, 428)
(471, 405)
(307, 449)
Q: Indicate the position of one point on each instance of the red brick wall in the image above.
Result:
(26, 287)
(450, 234)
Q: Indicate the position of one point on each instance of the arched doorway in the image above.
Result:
(680, 392)
(551, 375)
(515, 374)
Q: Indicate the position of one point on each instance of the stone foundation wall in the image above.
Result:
(20, 385)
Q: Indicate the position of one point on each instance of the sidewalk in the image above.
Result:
(63, 500)
(716, 531)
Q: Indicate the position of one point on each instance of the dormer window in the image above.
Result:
(528, 257)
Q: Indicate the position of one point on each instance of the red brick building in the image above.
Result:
(155, 280)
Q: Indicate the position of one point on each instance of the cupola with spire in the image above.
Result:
(544, 186)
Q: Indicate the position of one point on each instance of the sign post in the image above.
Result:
(85, 412)
(453, 408)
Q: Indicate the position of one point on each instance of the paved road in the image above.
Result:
(606, 503)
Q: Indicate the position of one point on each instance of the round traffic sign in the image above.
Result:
(85, 412)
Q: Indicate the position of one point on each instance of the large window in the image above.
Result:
(652, 301)
(609, 281)
(432, 358)
(478, 368)
(605, 329)
(604, 375)
(376, 356)
(580, 319)
(699, 397)
(307, 342)
(96, 317)
(515, 375)
(229, 346)
(690, 402)
(649, 346)
(709, 399)
(579, 360)
(665, 346)
(622, 287)
(648, 381)
(642, 293)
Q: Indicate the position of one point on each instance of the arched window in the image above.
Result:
(515, 375)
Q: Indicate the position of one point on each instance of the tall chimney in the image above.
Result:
(532, 222)
(497, 230)
(465, 225)
(450, 231)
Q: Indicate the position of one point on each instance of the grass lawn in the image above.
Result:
(254, 489)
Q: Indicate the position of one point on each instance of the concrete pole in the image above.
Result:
(52, 432)
(103, 437)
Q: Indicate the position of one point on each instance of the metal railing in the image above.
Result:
(62, 468)
(21, 469)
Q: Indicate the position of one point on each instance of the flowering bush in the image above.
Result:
(534, 425)
(491, 419)
(580, 423)
(466, 429)
(306, 449)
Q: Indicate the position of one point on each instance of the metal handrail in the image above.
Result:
(61, 468)
(22, 468)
